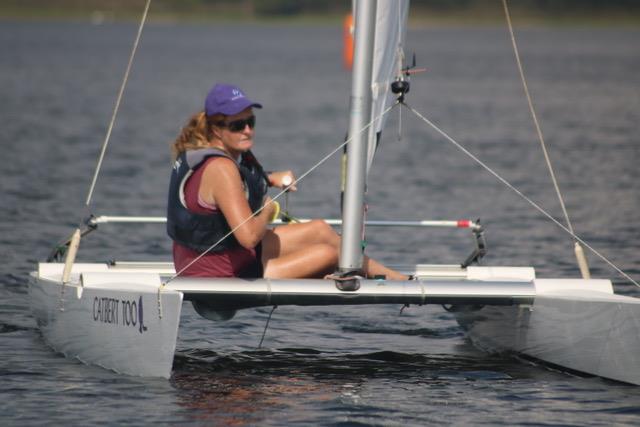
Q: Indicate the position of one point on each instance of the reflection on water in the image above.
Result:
(230, 399)
(248, 387)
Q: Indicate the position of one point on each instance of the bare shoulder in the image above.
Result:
(221, 169)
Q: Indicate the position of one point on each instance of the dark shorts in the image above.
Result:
(236, 262)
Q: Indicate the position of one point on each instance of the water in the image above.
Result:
(318, 366)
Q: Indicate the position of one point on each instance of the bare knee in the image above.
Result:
(313, 261)
(328, 253)
(326, 233)
(327, 259)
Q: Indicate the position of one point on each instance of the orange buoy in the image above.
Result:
(347, 53)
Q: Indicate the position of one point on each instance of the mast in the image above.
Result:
(360, 116)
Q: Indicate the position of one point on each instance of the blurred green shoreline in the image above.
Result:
(276, 12)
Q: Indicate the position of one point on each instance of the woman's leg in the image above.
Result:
(310, 249)
(373, 268)
(315, 261)
(301, 250)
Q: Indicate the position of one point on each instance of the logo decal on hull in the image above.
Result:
(141, 327)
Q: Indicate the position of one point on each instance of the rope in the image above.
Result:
(402, 309)
(535, 117)
(117, 106)
(285, 190)
(266, 326)
(519, 193)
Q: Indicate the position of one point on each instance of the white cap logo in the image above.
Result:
(236, 94)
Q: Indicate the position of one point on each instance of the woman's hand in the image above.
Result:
(271, 209)
(283, 179)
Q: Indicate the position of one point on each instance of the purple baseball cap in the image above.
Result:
(228, 100)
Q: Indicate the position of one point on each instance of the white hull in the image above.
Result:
(577, 324)
(581, 327)
(107, 324)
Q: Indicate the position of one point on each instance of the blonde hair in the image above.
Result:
(196, 134)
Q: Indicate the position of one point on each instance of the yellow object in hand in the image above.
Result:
(276, 212)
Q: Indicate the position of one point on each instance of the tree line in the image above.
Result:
(290, 8)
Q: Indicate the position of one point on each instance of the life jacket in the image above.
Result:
(199, 231)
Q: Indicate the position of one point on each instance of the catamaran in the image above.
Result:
(125, 316)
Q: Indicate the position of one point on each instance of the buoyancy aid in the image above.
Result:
(197, 231)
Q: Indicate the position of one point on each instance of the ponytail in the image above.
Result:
(194, 135)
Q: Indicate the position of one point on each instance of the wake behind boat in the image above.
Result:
(125, 316)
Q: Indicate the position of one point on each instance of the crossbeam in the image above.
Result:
(226, 294)
(461, 223)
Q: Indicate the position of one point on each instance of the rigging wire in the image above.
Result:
(117, 105)
(399, 64)
(535, 117)
(74, 241)
(284, 191)
(579, 253)
(519, 193)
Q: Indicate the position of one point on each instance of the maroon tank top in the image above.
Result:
(235, 262)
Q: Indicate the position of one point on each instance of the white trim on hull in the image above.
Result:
(114, 324)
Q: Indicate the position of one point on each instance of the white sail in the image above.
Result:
(388, 59)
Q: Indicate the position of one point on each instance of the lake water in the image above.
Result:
(319, 366)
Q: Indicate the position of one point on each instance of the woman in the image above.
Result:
(216, 186)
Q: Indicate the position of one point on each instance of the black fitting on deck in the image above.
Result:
(58, 252)
(481, 247)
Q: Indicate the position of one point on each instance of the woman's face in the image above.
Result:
(237, 132)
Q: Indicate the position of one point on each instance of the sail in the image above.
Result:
(388, 59)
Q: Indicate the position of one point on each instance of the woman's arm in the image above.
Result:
(222, 186)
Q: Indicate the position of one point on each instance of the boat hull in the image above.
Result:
(591, 331)
(129, 330)
(121, 317)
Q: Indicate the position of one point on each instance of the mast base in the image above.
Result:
(347, 281)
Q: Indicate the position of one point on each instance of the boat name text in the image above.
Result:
(119, 312)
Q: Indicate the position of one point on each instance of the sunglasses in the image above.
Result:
(239, 125)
